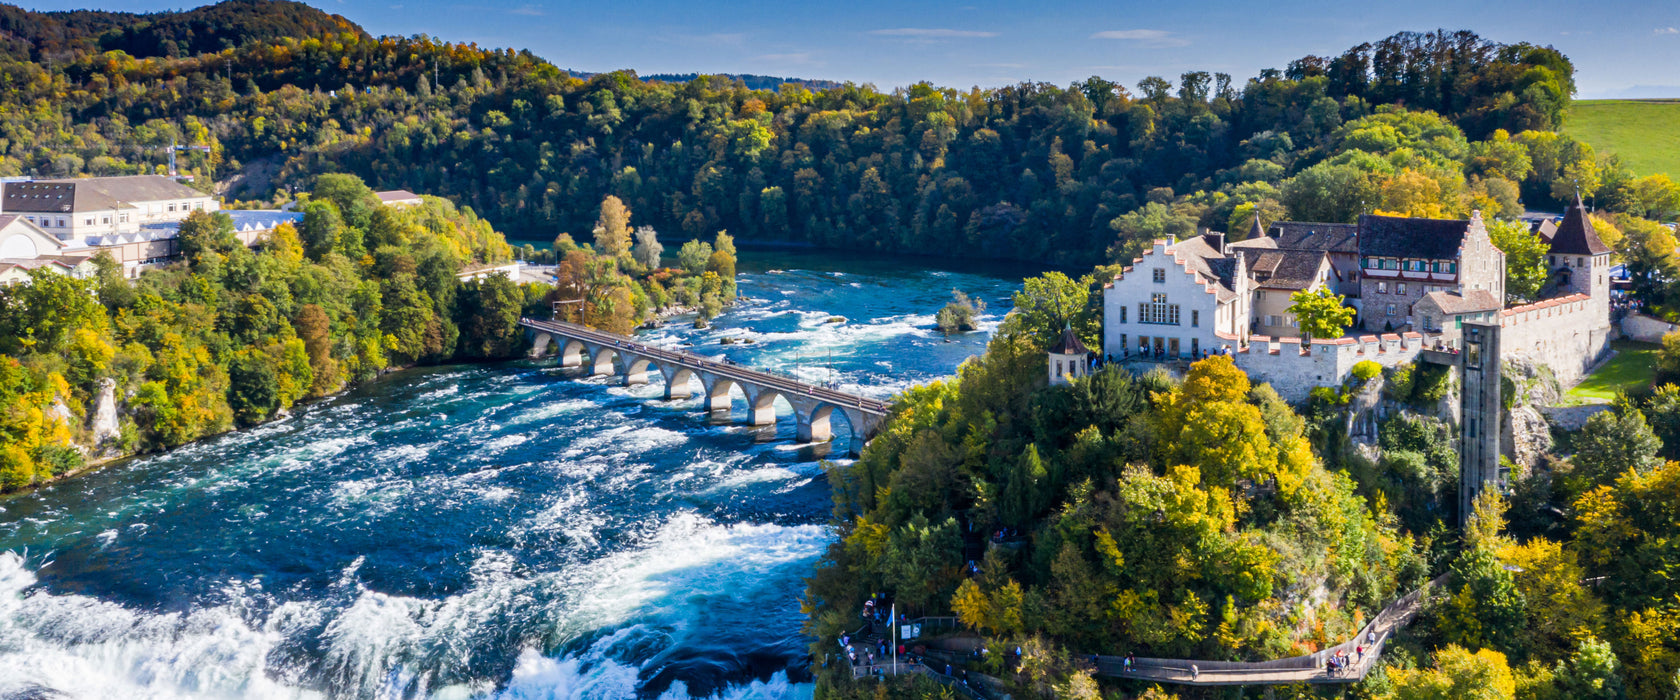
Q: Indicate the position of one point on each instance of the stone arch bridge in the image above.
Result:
(607, 353)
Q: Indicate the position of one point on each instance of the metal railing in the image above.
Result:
(785, 383)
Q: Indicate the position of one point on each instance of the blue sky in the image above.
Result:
(1619, 48)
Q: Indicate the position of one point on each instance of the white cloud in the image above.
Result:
(527, 11)
(1153, 38)
(915, 33)
(1668, 30)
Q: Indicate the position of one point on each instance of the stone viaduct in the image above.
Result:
(606, 353)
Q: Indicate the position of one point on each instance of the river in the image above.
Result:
(504, 530)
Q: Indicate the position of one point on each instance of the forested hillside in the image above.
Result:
(1031, 171)
(50, 36)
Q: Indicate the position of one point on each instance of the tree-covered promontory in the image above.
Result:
(1180, 519)
(1198, 516)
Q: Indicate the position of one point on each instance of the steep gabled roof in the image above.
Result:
(1575, 236)
(1197, 256)
(1307, 235)
(1069, 344)
(1283, 269)
(1402, 237)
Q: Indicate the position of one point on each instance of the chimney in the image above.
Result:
(1214, 240)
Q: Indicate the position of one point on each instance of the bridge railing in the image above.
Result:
(719, 367)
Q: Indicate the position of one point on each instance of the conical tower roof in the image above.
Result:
(1069, 344)
(1255, 230)
(1575, 236)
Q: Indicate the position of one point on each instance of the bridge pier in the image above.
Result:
(716, 397)
(814, 426)
(761, 407)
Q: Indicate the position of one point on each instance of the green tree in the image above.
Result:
(490, 311)
(960, 315)
(1592, 673)
(1049, 303)
(206, 232)
(40, 316)
(1320, 313)
(693, 256)
(1525, 258)
(253, 391)
(1613, 443)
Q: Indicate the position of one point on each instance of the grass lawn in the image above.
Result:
(1635, 364)
(1645, 133)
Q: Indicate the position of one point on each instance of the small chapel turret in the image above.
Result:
(1069, 358)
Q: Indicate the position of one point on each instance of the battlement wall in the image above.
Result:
(1568, 334)
(1293, 368)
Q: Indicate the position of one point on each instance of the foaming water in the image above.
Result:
(507, 531)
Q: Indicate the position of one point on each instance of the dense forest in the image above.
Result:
(1427, 124)
(1200, 517)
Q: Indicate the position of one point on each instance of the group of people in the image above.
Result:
(1161, 354)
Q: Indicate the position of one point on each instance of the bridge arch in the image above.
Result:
(539, 344)
(573, 352)
(603, 361)
(717, 389)
(817, 424)
(636, 369)
(679, 381)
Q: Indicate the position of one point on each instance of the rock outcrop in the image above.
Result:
(103, 424)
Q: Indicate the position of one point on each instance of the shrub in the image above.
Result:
(1366, 370)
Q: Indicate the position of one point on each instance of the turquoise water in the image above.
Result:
(504, 530)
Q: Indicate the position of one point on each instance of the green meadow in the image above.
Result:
(1645, 133)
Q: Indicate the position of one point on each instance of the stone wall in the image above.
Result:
(1646, 329)
(1566, 334)
(1293, 368)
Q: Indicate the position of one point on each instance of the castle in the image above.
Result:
(1414, 283)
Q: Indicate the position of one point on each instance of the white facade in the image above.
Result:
(1065, 368)
(1164, 305)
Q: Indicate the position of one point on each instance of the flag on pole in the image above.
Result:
(892, 621)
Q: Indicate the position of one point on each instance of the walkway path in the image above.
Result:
(1311, 668)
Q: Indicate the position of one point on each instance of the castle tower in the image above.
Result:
(1069, 358)
(1579, 253)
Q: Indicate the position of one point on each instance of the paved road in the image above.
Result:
(781, 383)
